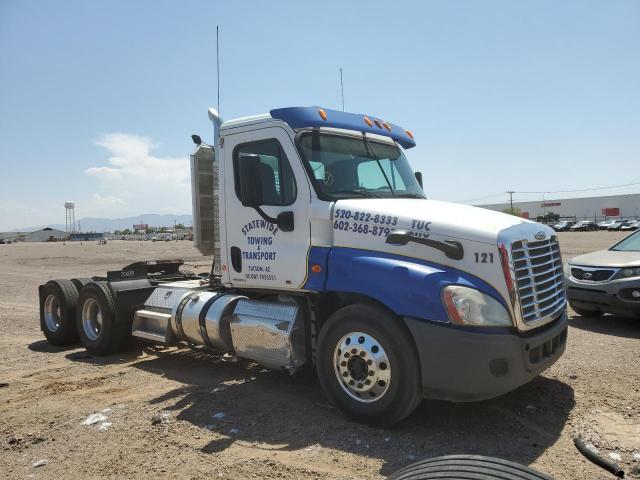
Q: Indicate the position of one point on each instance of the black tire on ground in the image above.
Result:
(383, 333)
(95, 318)
(583, 312)
(80, 282)
(467, 467)
(58, 302)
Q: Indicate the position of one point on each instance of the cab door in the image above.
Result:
(260, 254)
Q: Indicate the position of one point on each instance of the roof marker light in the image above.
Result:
(387, 126)
(368, 121)
(409, 133)
(323, 114)
(378, 124)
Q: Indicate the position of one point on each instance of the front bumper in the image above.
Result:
(463, 365)
(610, 297)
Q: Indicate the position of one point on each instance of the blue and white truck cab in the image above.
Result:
(327, 253)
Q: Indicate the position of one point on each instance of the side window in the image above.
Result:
(278, 182)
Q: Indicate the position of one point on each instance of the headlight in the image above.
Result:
(628, 273)
(469, 307)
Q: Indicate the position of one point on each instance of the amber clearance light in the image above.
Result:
(323, 114)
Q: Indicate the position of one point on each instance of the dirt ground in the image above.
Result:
(185, 413)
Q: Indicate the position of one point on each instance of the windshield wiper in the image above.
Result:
(375, 157)
(410, 195)
(362, 193)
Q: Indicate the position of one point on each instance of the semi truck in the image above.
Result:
(328, 256)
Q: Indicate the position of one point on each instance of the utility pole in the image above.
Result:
(342, 89)
(510, 192)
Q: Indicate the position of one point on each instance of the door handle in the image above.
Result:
(236, 259)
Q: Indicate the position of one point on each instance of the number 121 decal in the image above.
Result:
(483, 257)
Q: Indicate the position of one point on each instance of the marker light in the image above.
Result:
(387, 126)
(409, 133)
(506, 268)
(316, 268)
(368, 121)
(323, 114)
(378, 124)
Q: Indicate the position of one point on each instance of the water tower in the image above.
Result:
(70, 216)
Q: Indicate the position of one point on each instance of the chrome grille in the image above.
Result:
(539, 278)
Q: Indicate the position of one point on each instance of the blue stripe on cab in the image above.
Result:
(407, 286)
(309, 117)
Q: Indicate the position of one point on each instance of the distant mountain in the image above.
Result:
(110, 224)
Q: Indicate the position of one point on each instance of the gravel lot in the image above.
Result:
(185, 413)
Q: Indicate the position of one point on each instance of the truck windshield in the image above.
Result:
(350, 167)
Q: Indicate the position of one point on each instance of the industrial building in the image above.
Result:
(46, 235)
(587, 208)
(85, 237)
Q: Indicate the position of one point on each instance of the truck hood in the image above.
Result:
(607, 258)
(455, 221)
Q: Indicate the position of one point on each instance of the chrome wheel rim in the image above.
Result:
(362, 367)
(91, 319)
(52, 313)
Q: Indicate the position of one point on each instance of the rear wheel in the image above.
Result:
(368, 365)
(584, 312)
(57, 312)
(96, 320)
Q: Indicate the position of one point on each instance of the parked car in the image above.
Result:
(615, 225)
(563, 226)
(632, 225)
(605, 224)
(584, 226)
(606, 281)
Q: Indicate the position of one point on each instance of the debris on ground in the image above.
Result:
(40, 463)
(3, 384)
(615, 456)
(94, 418)
(219, 415)
(160, 418)
(104, 425)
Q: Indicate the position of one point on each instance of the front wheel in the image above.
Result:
(368, 365)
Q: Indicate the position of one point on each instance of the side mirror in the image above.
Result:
(250, 180)
(419, 178)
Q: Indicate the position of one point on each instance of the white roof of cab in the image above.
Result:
(236, 122)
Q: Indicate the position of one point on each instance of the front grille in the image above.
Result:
(539, 278)
(591, 275)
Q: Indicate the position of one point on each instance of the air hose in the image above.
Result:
(597, 459)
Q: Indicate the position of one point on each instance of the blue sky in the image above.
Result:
(98, 99)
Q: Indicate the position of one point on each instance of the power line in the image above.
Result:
(587, 189)
(544, 192)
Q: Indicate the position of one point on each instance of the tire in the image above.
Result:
(382, 353)
(58, 300)
(467, 467)
(80, 282)
(583, 312)
(95, 319)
